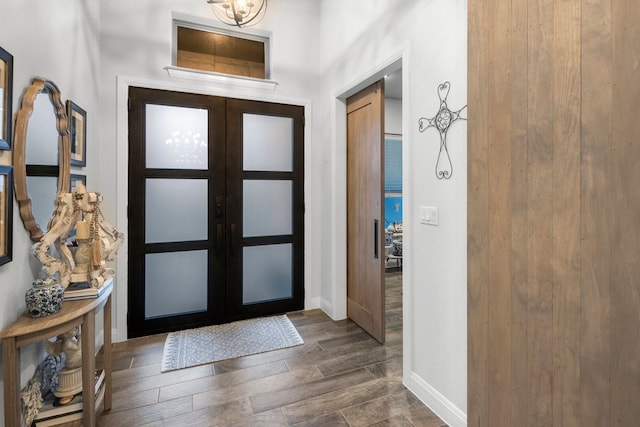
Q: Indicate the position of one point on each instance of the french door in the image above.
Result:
(216, 210)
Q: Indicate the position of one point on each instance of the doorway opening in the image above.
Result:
(216, 210)
(393, 148)
(393, 204)
(380, 162)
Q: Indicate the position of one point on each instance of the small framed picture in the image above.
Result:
(6, 98)
(6, 213)
(77, 134)
(75, 180)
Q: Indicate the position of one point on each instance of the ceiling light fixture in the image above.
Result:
(239, 13)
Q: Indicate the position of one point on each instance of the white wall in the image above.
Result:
(319, 52)
(393, 116)
(144, 27)
(57, 41)
(431, 38)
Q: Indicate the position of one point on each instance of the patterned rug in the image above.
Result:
(193, 347)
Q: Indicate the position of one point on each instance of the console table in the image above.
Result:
(28, 330)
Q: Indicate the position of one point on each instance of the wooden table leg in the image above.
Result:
(11, 362)
(89, 369)
(107, 355)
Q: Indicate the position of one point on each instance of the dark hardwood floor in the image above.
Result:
(340, 376)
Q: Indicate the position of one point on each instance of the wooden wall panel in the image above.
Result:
(519, 217)
(596, 212)
(478, 216)
(540, 197)
(625, 186)
(499, 162)
(554, 213)
(566, 213)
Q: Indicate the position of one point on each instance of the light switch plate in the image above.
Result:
(428, 215)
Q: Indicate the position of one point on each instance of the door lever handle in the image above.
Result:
(219, 208)
(375, 238)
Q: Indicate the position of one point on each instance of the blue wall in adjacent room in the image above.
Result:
(392, 209)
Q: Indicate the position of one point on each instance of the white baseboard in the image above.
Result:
(311, 303)
(327, 307)
(441, 406)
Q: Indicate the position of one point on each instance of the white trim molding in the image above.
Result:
(219, 80)
(393, 62)
(441, 406)
(122, 180)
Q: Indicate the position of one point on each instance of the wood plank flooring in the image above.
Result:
(340, 376)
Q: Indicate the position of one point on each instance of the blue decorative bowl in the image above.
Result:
(388, 238)
(44, 298)
(397, 248)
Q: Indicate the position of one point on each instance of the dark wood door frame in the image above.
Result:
(224, 239)
(139, 97)
(236, 175)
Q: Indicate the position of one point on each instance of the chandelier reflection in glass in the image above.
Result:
(239, 13)
(189, 150)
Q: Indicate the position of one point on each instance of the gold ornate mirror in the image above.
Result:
(41, 156)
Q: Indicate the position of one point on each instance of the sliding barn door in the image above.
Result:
(365, 210)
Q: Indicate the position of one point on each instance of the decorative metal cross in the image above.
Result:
(442, 121)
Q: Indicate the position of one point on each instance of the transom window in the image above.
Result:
(221, 51)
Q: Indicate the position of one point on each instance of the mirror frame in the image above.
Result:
(39, 85)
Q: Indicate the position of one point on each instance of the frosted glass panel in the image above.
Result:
(176, 137)
(42, 191)
(267, 208)
(42, 133)
(267, 143)
(267, 273)
(176, 210)
(176, 283)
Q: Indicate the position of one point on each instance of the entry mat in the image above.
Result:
(209, 344)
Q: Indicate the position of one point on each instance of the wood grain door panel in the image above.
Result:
(553, 225)
(365, 211)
